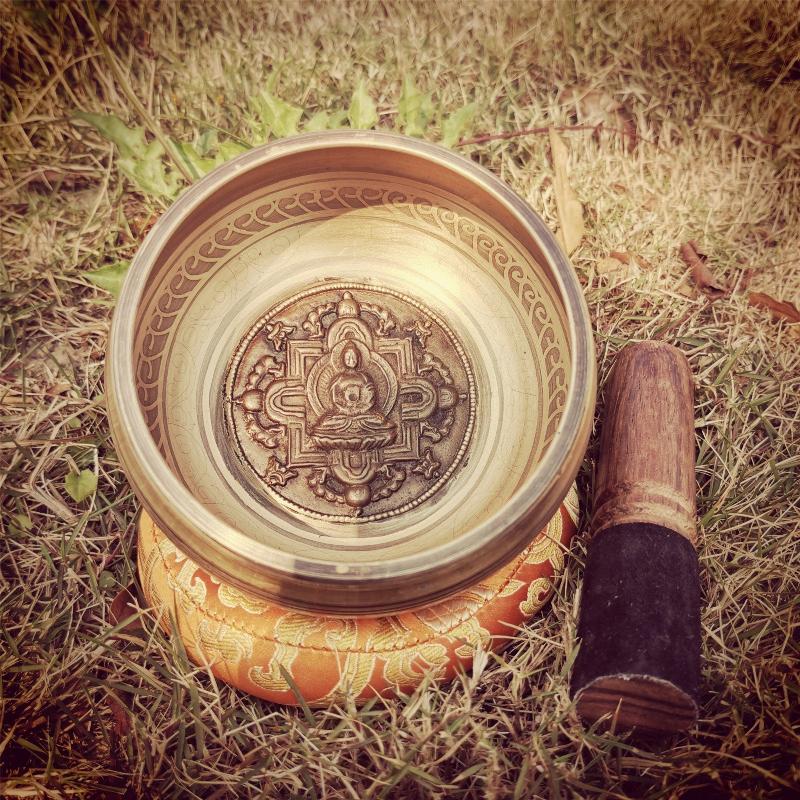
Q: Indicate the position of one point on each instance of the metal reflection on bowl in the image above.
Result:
(351, 372)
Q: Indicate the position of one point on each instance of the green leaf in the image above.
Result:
(318, 122)
(324, 121)
(414, 109)
(141, 162)
(148, 172)
(228, 150)
(337, 120)
(129, 141)
(277, 116)
(362, 112)
(198, 165)
(106, 580)
(206, 141)
(80, 485)
(22, 522)
(457, 124)
(110, 277)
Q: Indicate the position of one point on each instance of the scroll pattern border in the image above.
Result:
(329, 201)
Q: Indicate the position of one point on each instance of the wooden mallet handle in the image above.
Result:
(639, 626)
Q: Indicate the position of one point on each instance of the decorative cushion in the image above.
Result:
(250, 642)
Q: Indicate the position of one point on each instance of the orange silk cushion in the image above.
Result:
(246, 640)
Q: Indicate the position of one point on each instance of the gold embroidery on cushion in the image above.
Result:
(146, 571)
(407, 666)
(511, 588)
(572, 504)
(547, 545)
(447, 615)
(270, 679)
(470, 635)
(166, 548)
(291, 631)
(535, 589)
(391, 632)
(188, 587)
(342, 633)
(296, 626)
(154, 598)
(231, 597)
(276, 637)
(220, 642)
(354, 676)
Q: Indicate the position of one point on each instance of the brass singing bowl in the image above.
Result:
(351, 372)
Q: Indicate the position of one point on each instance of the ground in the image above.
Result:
(700, 141)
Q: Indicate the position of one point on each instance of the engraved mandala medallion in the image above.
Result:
(350, 402)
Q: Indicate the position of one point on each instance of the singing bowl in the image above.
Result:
(351, 373)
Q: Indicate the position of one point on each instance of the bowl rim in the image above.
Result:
(294, 580)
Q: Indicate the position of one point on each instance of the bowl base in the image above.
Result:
(253, 644)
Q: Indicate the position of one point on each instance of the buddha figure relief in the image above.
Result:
(350, 405)
(351, 422)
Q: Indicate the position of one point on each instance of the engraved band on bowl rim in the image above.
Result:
(368, 587)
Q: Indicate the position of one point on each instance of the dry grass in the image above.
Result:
(87, 710)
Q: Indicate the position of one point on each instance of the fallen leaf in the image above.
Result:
(110, 277)
(228, 150)
(650, 203)
(414, 109)
(207, 141)
(779, 309)
(198, 164)
(139, 160)
(701, 274)
(198, 156)
(615, 269)
(362, 113)
(570, 210)
(598, 107)
(591, 105)
(124, 608)
(626, 123)
(106, 579)
(121, 724)
(129, 141)
(318, 121)
(22, 521)
(457, 124)
(278, 117)
(80, 485)
(325, 121)
(744, 279)
(607, 266)
(59, 387)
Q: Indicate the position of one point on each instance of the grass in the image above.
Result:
(92, 708)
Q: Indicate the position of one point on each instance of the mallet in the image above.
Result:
(639, 625)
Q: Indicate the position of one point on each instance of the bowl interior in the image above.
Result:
(351, 354)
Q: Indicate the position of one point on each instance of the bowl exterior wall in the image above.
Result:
(351, 587)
